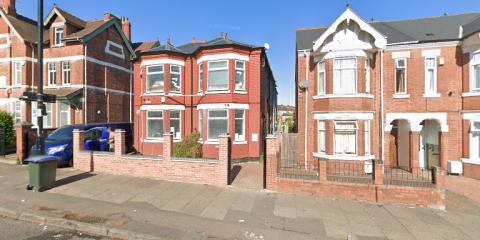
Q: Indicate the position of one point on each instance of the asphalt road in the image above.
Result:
(17, 230)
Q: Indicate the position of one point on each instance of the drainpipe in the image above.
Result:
(381, 106)
(131, 89)
(307, 67)
(85, 85)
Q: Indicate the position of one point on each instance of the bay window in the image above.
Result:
(475, 140)
(52, 74)
(345, 134)
(175, 79)
(240, 75)
(200, 123)
(345, 75)
(430, 75)
(367, 138)
(175, 126)
(217, 123)
(155, 79)
(321, 136)
(401, 76)
(200, 77)
(475, 72)
(321, 78)
(240, 125)
(217, 75)
(155, 125)
(367, 75)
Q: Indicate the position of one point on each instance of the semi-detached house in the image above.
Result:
(215, 87)
(87, 65)
(406, 92)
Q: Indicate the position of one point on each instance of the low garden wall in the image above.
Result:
(165, 167)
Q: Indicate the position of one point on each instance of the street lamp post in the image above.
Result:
(40, 104)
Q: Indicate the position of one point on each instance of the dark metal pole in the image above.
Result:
(40, 105)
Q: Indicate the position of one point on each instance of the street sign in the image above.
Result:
(32, 97)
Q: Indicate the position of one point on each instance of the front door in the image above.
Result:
(430, 148)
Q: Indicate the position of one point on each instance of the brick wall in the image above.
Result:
(471, 170)
(165, 167)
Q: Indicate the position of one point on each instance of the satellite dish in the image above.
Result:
(303, 84)
(266, 46)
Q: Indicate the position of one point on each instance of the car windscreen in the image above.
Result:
(64, 133)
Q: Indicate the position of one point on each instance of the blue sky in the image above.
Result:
(251, 21)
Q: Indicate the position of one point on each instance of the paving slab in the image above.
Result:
(201, 201)
(220, 205)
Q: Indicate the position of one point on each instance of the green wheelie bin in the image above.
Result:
(42, 171)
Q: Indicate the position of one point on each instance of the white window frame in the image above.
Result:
(427, 81)
(321, 128)
(321, 70)
(3, 82)
(406, 75)
(179, 76)
(218, 69)
(474, 144)
(113, 53)
(367, 133)
(175, 136)
(200, 77)
(342, 91)
(200, 123)
(147, 68)
(59, 113)
(356, 138)
(154, 118)
(66, 72)
(238, 138)
(208, 122)
(59, 40)
(17, 111)
(368, 75)
(244, 75)
(52, 72)
(17, 73)
(46, 123)
(472, 66)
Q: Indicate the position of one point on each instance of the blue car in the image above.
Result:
(59, 143)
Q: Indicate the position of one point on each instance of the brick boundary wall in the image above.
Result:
(375, 192)
(471, 170)
(166, 167)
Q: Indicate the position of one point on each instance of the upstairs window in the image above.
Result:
(240, 75)
(240, 125)
(430, 75)
(155, 125)
(400, 76)
(66, 73)
(175, 127)
(52, 74)
(155, 79)
(59, 36)
(367, 75)
(475, 72)
(345, 76)
(175, 79)
(345, 137)
(321, 78)
(217, 123)
(200, 77)
(17, 73)
(218, 75)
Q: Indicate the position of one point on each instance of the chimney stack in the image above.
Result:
(9, 7)
(127, 28)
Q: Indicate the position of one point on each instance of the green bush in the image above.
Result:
(290, 125)
(189, 147)
(6, 122)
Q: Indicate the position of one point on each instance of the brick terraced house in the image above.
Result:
(213, 87)
(87, 65)
(406, 92)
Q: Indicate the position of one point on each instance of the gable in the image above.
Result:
(115, 24)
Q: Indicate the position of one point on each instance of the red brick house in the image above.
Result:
(213, 87)
(86, 65)
(406, 92)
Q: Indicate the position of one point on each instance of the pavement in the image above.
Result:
(468, 187)
(137, 208)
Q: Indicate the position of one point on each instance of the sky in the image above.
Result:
(252, 21)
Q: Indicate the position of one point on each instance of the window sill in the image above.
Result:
(471, 94)
(218, 92)
(151, 140)
(240, 92)
(175, 94)
(431, 95)
(353, 95)
(401, 95)
(343, 157)
(52, 86)
(210, 142)
(154, 94)
(239, 142)
(471, 161)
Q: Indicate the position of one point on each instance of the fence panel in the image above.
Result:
(350, 171)
(413, 177)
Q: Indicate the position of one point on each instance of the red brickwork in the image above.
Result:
(471, 170)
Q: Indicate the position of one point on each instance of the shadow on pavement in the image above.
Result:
(74, 178)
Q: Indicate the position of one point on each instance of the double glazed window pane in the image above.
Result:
(345, 138)
(175, 124)
(240, 75)
(476, 72)
(239, 125)
(321, 136)
(321, 77)
(155, 79)
(345, 76)
(400, 76)
(175, 81)
(430, 75)
(63, 114)
(52, 70)
(217, 123)
(154, 124)
(218, 75)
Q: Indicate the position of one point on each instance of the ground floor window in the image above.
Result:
(475, 140)
(63, 114)
(175, 127)
(17, 111)
(217, 123)
(240, 125)
(345, 137)
(155, 124)
(47, 120)
(367, 137)
(200, 123)
(321, 136)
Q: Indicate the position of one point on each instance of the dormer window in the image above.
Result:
(59, 36)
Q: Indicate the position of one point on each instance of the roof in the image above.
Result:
(142, 46)
(69, 18)
(191, 48)
(90, 27)
(25, 27)
(441, 28)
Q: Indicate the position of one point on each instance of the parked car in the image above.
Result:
(59, 143)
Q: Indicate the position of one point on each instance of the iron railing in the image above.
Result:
(350, 171)
(411, 177)
(298, 171)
